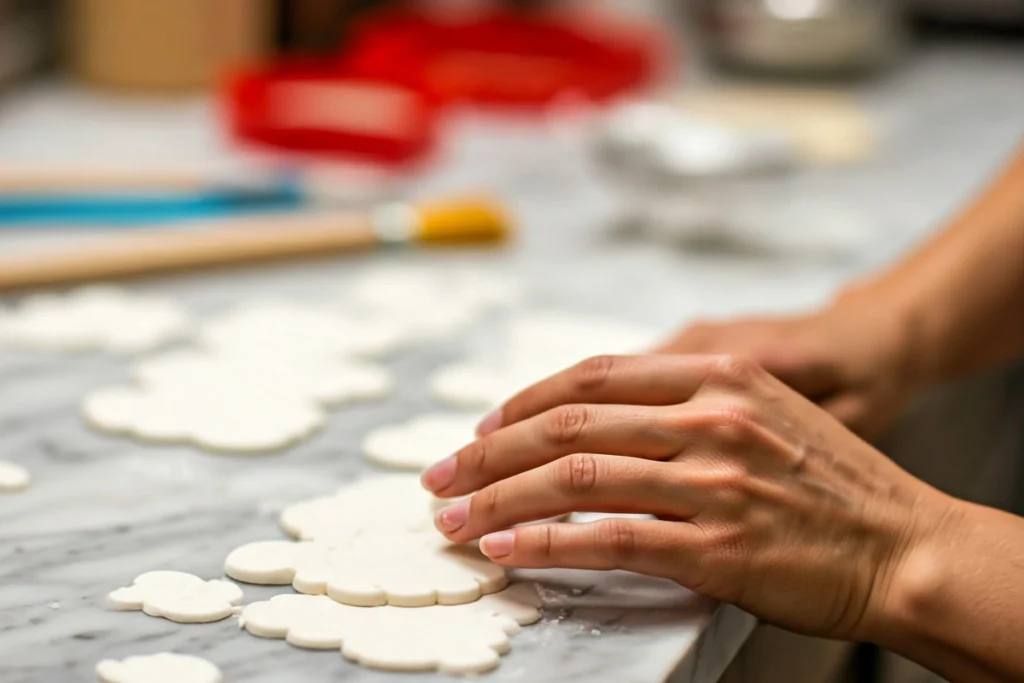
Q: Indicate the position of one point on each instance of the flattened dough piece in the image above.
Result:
(387, 568)
(95, 317)
(421, 442)
(393, 502)
(179, 597)
(165, 667)
(454, 639)
(13, 477)
(216, 417)
(325, 381)
(277, 329)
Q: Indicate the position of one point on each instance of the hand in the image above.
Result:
(762, 499)
(855, 359)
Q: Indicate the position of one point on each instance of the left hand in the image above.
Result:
(761, 498)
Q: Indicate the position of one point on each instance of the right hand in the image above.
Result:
(854, 358)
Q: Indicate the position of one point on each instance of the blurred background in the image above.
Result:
(798, 132)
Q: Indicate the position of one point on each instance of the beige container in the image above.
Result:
(164, 45)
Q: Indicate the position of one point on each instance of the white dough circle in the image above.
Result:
(96, 317)
(218, 417)
(430, 303)
(536, 345)
(402, 569)
(453, 639)
(179, 597)
(421, 442)
(386, 503)
(325, 381)
(165, 667)
(279, 329)
(13, 477)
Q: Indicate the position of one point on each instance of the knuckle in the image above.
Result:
(618, 539)
(577, 474)
(566, 424)
(593, 373)
(736, 371)
(733, 422)
(544, 542)
(486, 502)
(474, 457)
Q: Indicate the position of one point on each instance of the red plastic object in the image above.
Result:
(381, 98)
(512, 59)
(319, 107)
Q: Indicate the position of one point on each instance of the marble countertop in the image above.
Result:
(102, 510)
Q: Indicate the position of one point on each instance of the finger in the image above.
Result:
(816, 381)
(653, 547)
(581, 482)
(650, 380)
(636, 431)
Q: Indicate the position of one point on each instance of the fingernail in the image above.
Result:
(453, 517)
(498, 545)
(491, 423)
(441, 475)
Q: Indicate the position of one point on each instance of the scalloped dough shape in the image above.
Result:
(458, 639)
(536, 345)
(420, 442)
(179, 597)
(164, 667)
(220, 418)
(393, 568)
(96, 317)
(392, 502)
(288, 329)
(430, 303)
(13, 477)
(328, 382)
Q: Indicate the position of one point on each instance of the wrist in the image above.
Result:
(910, 317)
(909, 589)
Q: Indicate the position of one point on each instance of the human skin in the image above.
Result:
(954, 307)
(760, 496)
(761, 499)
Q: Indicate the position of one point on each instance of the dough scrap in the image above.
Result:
(453, 639)
(394, 568)
(93, 318)
(165, 667)
(329, 382)
(536, 345)
(430, 303)
(178, 597)
(13, 477)
(221, 418)
(386, 503)
(279, 329)
(421, 442)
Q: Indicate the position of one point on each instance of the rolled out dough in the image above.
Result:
(387, 568)
(164, 667)
(179, 597)
(93, 318)
(421, 442)
(453, 639)
(13, 477)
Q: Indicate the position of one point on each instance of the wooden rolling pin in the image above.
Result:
(250, 240)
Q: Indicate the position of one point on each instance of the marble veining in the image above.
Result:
(102, 510)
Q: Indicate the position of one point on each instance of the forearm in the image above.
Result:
(956, 605)
(963, 292)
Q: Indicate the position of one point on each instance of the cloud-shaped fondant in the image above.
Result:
(453, 639)
(407, 570)
(179, 597)
(165, 666)
(93, 318)
(421, 442)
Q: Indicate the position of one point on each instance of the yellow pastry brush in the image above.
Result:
(251, 240)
